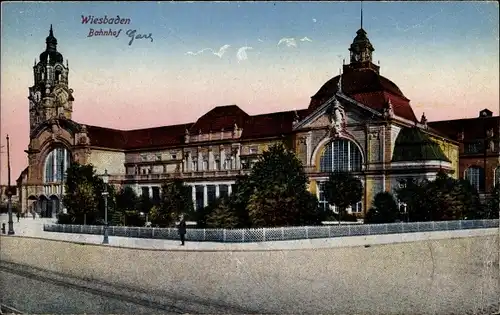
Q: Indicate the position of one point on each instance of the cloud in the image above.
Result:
(314, 20)
(288, 41)
(198, 52)
(222, 50)
(305, 39)
(260, 40)
(220, 53)
(242, 53)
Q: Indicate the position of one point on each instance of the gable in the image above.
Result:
(354, 116)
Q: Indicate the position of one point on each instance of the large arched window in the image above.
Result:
(475, 175)
(56, 164)
(340, 155)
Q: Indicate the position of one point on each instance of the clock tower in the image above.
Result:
(50, 97)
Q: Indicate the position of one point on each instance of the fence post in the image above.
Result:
(282, 233)
(459, 224)
(433, 226)
(386, 229)
(329, 231)
(224, 235)
(153, 233)
(204, 234)
(264, 234)
(307, 232)
(402, 227)
(243, 235)
(349, 226)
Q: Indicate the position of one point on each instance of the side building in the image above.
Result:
(479, 148)
(358, 121)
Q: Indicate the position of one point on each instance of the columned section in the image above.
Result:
(206, 193)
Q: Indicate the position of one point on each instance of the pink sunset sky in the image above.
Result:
(442, 55)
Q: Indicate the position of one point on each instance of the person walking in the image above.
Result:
(18, 215)
(182, 229)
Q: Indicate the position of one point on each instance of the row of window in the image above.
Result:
(476, 176)
(323, 202)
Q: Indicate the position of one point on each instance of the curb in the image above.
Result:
(4, 309)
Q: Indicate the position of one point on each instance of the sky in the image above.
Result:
(262, 56)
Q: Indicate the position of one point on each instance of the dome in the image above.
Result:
(55, 57)
(414, 145)
(369, 88)
(51, 50)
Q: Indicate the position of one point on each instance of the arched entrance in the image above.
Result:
(54, 206)
(32, 204)
(43, 206)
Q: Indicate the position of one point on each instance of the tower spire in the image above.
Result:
(51, 33)
(361, 14)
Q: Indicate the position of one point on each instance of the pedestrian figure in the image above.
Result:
(18, 216)
(34, 215)
(182, 229)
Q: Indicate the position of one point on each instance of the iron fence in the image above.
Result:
(274, 234)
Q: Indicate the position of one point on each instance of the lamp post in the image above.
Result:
(9, 191)
(105, 179)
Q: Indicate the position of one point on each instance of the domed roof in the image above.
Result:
(368, 87)
(51, 54)
(414, 145)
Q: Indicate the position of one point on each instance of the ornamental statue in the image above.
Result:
(337, 118)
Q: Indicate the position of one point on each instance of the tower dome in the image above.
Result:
(362, 81)
(51, 54)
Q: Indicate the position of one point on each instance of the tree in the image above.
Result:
(176, 199)
(384, 210)
(343, 190)
(277, 190)
(444, 198)
(127, 203)
(222, 215)
(82, 192)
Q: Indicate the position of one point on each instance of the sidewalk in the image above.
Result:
(29, 227)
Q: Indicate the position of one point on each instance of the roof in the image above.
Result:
(220, 117)
(258, 126)
(369, 88)
(138, 138)
(414, 145)
(272, 124)
(472, 128)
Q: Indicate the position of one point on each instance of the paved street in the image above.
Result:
(39, 291)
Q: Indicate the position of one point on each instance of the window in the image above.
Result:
(156, 194)
(340, 155)
(211, 196)
(56, 164)
(145, 191)
(473, 147)
(174, 156)
(216, 165)
(355, 208)
(254, 150)
(227, 164)
(475, 175)
(199, 197)
(223, 190)
(158, 157)
(205, 165)
(194, 166)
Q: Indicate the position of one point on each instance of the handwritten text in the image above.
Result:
(132, 34)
